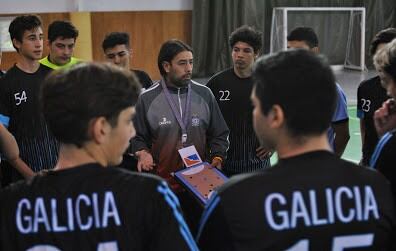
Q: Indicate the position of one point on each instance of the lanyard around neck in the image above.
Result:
(183, 121)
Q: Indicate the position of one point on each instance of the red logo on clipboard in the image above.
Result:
(192, 160)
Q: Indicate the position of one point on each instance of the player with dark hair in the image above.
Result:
(176, 113)
(370, 96)
(384, 157)
(19, 107)
(117, 49)
(232, 88)
(338, 133)
(62, 36)
(303, 37)
(84, 203)
(311, 199)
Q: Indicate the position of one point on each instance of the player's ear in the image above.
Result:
(256, 54)
(276, 117)
(99, 129)
(16, 43)
(166, 65)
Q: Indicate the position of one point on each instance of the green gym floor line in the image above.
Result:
(353, 149)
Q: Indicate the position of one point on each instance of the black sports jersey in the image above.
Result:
(384, 158)
(20, 111)
(2, 73)
(90, 207)
(233, 96)
(314, 201)
(144, 78)
(370, 96)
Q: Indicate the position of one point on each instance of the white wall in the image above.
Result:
(134, 5)
(37, 6)
(45, 6)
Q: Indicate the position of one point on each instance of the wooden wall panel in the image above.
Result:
(148, 30)
(9, 58)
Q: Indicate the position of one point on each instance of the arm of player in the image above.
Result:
(213, 232)
(362, 131)
(217, 132)
(10, 150)
(170, 231)
(340, 123)
(145, 160)
(263, 153)
(141, 143)
(385, 117)
(362, 136)
(217, 162)
(341, 131)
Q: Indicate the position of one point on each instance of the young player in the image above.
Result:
(84, 203)
(311, 199)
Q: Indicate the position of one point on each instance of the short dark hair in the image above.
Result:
(385, 59)
(247, 35)
(63, 29)
(169, 50)
(115, 38)
(306, 34)
(71, 98)
(302, 84)
(23, 23)
(384, 36)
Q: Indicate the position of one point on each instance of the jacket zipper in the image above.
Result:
(180, 107)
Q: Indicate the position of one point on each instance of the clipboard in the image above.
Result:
(200, 178)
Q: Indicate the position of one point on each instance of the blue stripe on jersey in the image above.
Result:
(378, 148)
(208, 210)
(359, 114)
(173, 202)
(4, 120)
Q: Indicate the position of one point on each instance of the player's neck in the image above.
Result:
(71, 156)
(171, 84)
(27, 65)
(243, 73)
(288, 147)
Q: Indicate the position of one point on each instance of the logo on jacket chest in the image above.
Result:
(164, 121)
(195, 121)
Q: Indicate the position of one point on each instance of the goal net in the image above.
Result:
(341, 32)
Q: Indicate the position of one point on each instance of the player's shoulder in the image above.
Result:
(240, 184)
(140, 73)
(90, 176)
(138, 181)
(340, 91)
(45, 69)
(244, 184)
(361, 174)
(10, 74)
(14, 190)
(151, 92)
(220, 77)
(368, 84)
(386, 145)
(201, 89)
